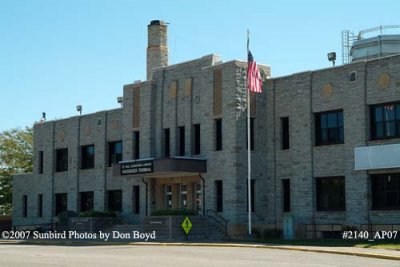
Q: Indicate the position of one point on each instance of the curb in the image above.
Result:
(359, 254)
(222, 245)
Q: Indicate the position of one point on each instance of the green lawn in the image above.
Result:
(382, 244)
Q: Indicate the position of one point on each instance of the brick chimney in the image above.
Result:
(157, 49)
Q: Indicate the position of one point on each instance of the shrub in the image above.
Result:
(173, 212)
(97, 214)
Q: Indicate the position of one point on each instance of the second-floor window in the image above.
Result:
(385, 121)
(87, 157)
(62, 160)
(114, 152)
(329, 128)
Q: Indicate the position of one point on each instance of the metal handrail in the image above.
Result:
(218, 219)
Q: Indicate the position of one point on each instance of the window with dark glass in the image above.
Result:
(218, 134)
(286, 195)
(87, 201)
(61, 202)
(167, 147)
(181, 132)
(329, 128)
(251, 134)
(285, 133)
(218, 196)
(331, 194)
(87, 157)
(196, 139)
(385, 121)
(40, 205)
(114, 152)
(62, 160)
(136, 199)
(136, 145)
(115, 200)
(25, 206)
(385, 189)
(252, 196)
(40, 161)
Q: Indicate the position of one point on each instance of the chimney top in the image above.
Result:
(157, 22)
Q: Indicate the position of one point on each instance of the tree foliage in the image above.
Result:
(16, 156)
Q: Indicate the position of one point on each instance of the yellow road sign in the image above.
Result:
(186, 225)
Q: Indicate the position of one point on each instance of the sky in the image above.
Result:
(57, 54)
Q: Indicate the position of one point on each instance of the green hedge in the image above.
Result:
(173, 212)
(97, 214)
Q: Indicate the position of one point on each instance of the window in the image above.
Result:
(352, 77)
(181, 132)
(25, 206)
(285, 133)
(115, 200)
(385, 121)
(40, 206)
(331, 194)
(61, 202)
(329, 128)
(286, 195)
(385, 190)
(183, 192)
(168, 197)
(136, 137)
(198, 198)
(40, 161)
(136, 199)
(87, 157)
(196, 137)
(218, 134)
(87, 200)
(114, 152)
(251, 134)
(62, 160)
(167, 150)
(218, 196)
(252, 183)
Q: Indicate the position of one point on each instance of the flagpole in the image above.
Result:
(248, 144)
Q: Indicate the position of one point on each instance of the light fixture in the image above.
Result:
(332, 57)
(120, 100)
(79, 109)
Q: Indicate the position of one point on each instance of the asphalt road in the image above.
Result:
(33, 255)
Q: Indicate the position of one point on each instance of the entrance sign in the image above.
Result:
(137, 167)
(186, 225)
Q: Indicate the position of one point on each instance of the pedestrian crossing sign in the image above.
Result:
(186, 225)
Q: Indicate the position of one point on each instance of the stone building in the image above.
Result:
(325, 148)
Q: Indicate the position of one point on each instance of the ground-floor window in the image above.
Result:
(115, 200)
(87, 200)
(252, 196)
(218, 196)
(286, 195)
(385, 189)
(136, 199)
(168, 197)
(198, 198)
(61, 203)
(331, 194)
(183, 192)
(25, 206)
(40, 205)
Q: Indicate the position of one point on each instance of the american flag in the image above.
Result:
(254, 81)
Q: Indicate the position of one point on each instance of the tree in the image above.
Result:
(16, 157)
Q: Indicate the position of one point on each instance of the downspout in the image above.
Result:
(203, 193)
(147, 193)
